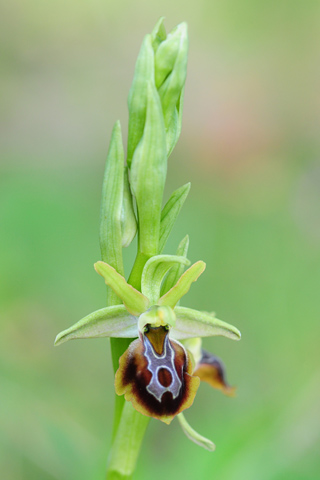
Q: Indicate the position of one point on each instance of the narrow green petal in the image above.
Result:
(192, 323)
(183, 285)
(112, 321)
(195, 436)
(170, 213)
(154, 272)
(134, 301)
(177, 270)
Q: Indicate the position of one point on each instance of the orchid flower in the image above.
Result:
(158, 373)
(155, 343)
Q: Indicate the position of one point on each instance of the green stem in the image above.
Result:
(136, 272)
(118, 347)
(126, 446)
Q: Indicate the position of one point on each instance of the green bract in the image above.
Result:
(155, 343)
(148, 175)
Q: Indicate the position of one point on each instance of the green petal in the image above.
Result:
(133, 300)
(192, 323)
(183, 285)
(195, 436)
(154, 272)
(170, 213)
(177, 270)
(112, 321)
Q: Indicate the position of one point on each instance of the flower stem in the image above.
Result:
(136, 272)
(121, 407)
(118, 347)
(126, 444)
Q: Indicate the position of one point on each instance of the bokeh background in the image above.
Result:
(250, 145)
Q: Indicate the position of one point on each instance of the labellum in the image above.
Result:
(155, 374)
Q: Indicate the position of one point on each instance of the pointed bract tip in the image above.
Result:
(237, 334)
(59, 339)
(181, 27)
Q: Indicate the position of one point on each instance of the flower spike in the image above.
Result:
(156, 373)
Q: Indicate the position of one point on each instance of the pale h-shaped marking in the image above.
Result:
(155, 363)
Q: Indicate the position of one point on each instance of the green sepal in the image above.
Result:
(112, 321)
(138, 95)
(177, 270)
(128, 217)
(158, 34)
(157, 316)
(193, 323)
(133, 300)
(195, 436)
(111, 203)
(154, 272)
(170, 213)
(148, 174)
(183, 285)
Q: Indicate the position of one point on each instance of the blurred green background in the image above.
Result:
(250, 145)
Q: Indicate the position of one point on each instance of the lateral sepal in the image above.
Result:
(193, 323)
(112, 321)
